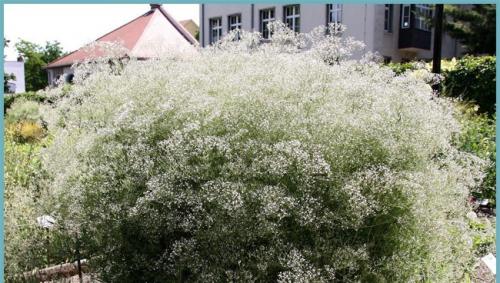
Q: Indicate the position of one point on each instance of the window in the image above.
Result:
(215, 29)
(234, 22)
(68, 78)
(388, 17)
(266, 16)
(291, 17)
(334, 13)
(423, 14)
(405, 16)
(12, 87)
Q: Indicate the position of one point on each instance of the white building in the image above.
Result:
(396, 31)
(17, 69)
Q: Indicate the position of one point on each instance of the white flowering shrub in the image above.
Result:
(251, 163)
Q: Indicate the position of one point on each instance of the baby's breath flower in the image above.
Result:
(257, 161)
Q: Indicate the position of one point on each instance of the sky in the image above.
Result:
(75, 25)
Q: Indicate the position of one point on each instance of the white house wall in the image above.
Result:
(364, 22)
(159, 36)
(312, 15)
(224, 11)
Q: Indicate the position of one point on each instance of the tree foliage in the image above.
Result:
(35, 58)
(473, 79)
(475, 28)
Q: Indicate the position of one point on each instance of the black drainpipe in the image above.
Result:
(202, 25)
(252, 29)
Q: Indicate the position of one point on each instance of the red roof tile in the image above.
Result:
(128, 35)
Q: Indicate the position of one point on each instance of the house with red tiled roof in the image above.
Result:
(143, 37)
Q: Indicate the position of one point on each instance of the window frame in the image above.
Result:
(264, 30)
(236, 25)
(212, 28)
(423, 12)
(388, 17)
(293, 17)
(403, 16)
(334, 9)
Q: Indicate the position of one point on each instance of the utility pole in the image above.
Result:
(438, 40)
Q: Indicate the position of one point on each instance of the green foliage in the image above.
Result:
(35, 58)
(23, 121)
(23, 110)
(52, 51)
(473, 79)
(8, 100)
(213, 167)
(35, 76)
(23, 184)
(26, 196)
(483, 231)
(475, 28)
(6, 78)
(401, 68)
(27, 246)
(478, 136)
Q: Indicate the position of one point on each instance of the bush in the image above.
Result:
(479, 137)
(401, 68)
(26, 132)
(23, 110)
(27, 246)
(8, 100)
(473, 80)
(23, 121)
(246, 165)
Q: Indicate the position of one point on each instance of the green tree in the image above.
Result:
(52, 51)
(36, 57)
(475, 28)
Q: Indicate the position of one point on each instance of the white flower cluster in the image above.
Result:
(328, 44)
(260, 163)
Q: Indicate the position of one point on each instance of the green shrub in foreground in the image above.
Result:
(262, 166)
